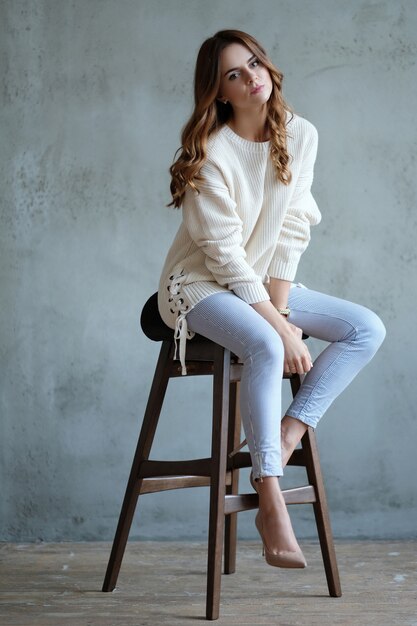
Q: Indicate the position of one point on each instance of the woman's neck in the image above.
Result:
(250, 127)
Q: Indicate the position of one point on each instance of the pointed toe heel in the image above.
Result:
(283, 558)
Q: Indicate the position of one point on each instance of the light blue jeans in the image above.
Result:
(354, 334)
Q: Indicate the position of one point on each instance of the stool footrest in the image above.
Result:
(195, 467)
(152, 485)
(300, 495)
(247, 501)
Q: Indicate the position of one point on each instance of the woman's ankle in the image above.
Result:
(271, 497)
(292, 431)
(268, 485)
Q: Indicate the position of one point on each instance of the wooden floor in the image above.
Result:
(164, 583)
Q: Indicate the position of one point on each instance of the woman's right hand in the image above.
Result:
(297, 358)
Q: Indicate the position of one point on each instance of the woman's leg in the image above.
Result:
(292, 431)
(234, 324)
(355, 333)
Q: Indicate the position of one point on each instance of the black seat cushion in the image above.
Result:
(151, 321)
(155, 328)
(153, 325)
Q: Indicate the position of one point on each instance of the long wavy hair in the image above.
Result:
(210, 114)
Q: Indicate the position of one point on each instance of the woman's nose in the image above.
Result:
(251, 77)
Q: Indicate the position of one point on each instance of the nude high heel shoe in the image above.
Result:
(283, 558)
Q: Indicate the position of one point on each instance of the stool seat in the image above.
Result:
(220, 471)
(155, 328)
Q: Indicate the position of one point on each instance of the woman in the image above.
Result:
(243, 179)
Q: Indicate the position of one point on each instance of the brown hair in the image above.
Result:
(209, 114)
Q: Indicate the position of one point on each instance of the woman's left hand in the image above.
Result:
(294, 329)
(297, 332)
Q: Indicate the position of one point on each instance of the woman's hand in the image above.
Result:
(297, 359)
(297, 331)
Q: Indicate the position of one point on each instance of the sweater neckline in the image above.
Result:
(255, 146)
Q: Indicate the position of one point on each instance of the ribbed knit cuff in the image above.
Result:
(251, 292)
(285, 270)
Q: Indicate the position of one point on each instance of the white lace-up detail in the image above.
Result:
(176, 304)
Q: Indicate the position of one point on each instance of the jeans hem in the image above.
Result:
(278, 471)
(306, 420)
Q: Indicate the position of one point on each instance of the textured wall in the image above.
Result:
(94, 95)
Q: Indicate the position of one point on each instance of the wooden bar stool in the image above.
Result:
(220, 471)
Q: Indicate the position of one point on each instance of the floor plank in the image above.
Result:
(165, 583)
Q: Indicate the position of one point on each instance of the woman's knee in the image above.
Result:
(268, 346)
(373, 330)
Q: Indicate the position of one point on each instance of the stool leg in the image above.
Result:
(147, 433)
(321, 513)
(230, 529)
(221, 383)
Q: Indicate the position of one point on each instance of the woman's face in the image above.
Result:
(241, 73)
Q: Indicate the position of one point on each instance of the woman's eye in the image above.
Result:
(232, 76)
(255, 63)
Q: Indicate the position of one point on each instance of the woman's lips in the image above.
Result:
(257, 89)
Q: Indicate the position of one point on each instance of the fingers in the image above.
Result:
(307, 363)
(301, 369)
(297, 358)
(299, 366)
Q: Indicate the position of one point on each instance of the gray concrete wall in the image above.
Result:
(94, 95)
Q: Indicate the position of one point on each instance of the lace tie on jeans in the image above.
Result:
(181, 333)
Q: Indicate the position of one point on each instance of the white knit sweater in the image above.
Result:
(244, 227)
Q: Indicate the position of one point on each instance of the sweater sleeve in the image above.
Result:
(212, 221)
(302, 213)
